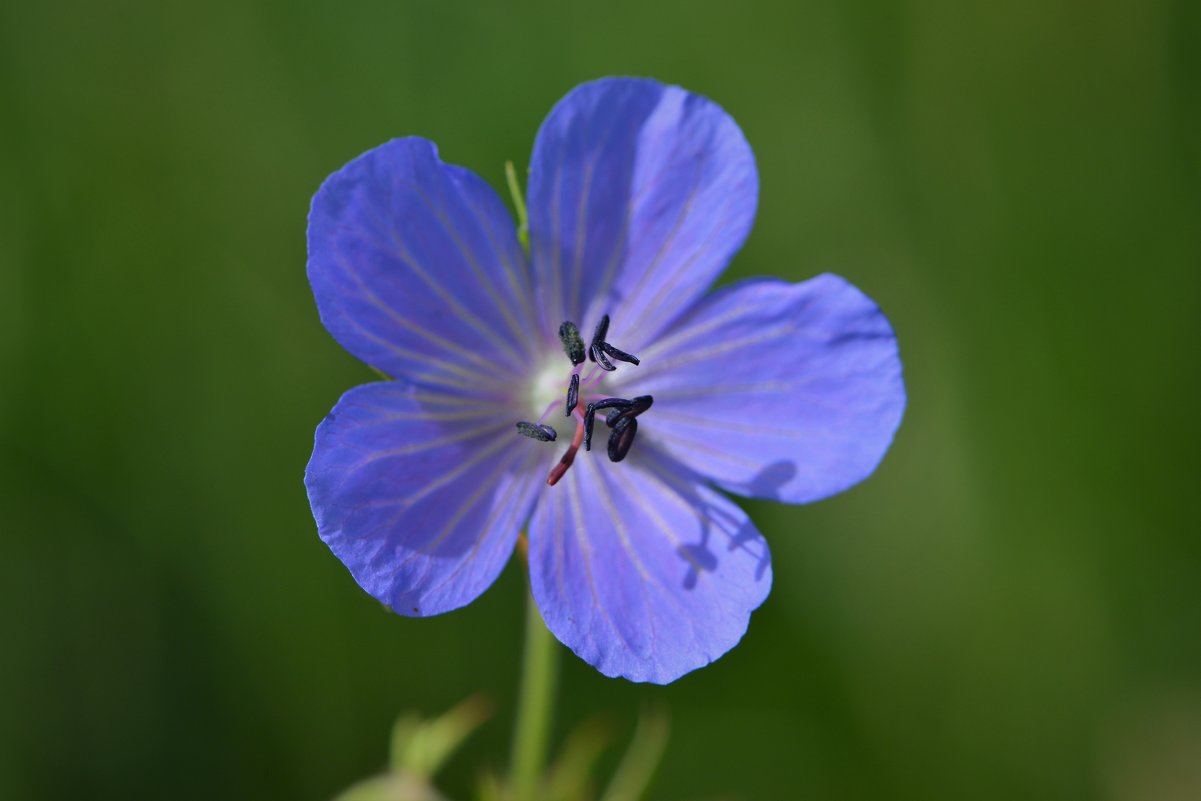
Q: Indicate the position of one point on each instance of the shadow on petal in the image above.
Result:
(642, 570)
(738, 530)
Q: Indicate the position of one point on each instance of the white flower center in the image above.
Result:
(548, 385)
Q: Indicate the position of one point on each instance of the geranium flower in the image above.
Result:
(639, 194)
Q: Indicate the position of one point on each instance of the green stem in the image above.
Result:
(539, 675)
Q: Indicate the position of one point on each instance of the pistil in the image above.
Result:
(560, 469)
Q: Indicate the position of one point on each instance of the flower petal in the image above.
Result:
(420, 494)
(417, 270)
(774, 390)
(639, 195)
(641, 571)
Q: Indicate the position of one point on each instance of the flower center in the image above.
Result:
(584, 398)
(546, 390)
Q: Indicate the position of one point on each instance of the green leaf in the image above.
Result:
(570, 775)
(421, 747)
(394, 787)
(633, 776)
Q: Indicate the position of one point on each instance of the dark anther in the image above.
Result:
(573, 393)
(589, 419)
(542, 433)
(573, 343)
(598, 355)
(636, 407)
(622, 438)
(598, 336)
(599, 350)
(640, 404)
(590, 415)
(620, 355)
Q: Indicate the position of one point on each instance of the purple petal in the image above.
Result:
(774, 390)
(642, 572)
(417, 270)
(420, 494)
(639, 195)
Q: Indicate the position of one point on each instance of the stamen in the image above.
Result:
(598, 355)
(637, 406)
(622, 438)
(573, 393)
(620, 355)
(590, 415)
(573, 343)
(598, 336)
(589, 418)
(542, 433)
(599, 350)
(622, 414)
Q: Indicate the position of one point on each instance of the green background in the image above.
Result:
(1008, 609)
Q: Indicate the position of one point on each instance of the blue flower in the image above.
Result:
(639, 194)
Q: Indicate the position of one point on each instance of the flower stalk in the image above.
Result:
(535, 705)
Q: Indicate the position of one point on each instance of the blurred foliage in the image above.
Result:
(1008, 609)
(418, 750)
